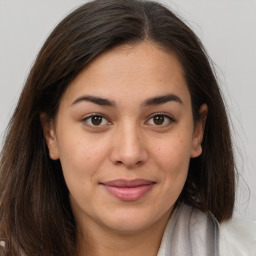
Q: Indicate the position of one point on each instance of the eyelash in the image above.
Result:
(170, 119)
(88, 120)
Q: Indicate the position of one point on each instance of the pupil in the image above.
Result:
(96, 120)
(158, 120)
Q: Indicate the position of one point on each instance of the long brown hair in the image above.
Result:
(35, 214)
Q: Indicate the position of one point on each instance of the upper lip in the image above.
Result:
(123, 183)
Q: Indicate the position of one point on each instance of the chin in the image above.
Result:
(130, 221)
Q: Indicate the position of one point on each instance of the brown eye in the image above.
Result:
(158, 120)
(96, 121)
(161, 120)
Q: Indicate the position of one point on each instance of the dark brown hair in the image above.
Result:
(35, 214)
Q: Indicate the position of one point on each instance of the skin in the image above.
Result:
(128, 143)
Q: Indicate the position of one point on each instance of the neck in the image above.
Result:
(100, 241)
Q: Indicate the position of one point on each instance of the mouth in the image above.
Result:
(128, 190)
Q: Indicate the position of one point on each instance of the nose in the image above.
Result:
(128, 147)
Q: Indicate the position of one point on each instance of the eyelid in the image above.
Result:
(172, 120)
(96, 127)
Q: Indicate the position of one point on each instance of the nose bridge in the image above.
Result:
(129, 148)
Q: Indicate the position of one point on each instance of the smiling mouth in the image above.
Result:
(128, 190)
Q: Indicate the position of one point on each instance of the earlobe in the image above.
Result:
(199, 132)
(50, 136)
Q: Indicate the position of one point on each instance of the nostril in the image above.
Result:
(123, 163)
(139, 163)
(129, 154)
(119, 162)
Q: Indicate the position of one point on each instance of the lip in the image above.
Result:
(128, 190)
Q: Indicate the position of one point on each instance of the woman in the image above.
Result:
(120, 143)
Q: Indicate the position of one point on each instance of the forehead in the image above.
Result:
(140, 70)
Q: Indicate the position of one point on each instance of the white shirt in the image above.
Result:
(237, 238)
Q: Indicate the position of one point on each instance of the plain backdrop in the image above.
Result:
(227, 29)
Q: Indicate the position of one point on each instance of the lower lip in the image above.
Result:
(129, 194)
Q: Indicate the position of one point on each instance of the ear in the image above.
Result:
(199, 132)
(50, 136)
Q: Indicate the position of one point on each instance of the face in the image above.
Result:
(124, 134)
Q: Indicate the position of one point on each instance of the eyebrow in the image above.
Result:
(96, 100)
(110, 103)
(162, 100)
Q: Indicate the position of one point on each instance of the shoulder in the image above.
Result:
(238, 238)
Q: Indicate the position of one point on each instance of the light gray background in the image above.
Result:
(226, 27)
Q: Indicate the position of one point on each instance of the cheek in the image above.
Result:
(174, 164)
(80, 158)
(172, 157)
(173, 154)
